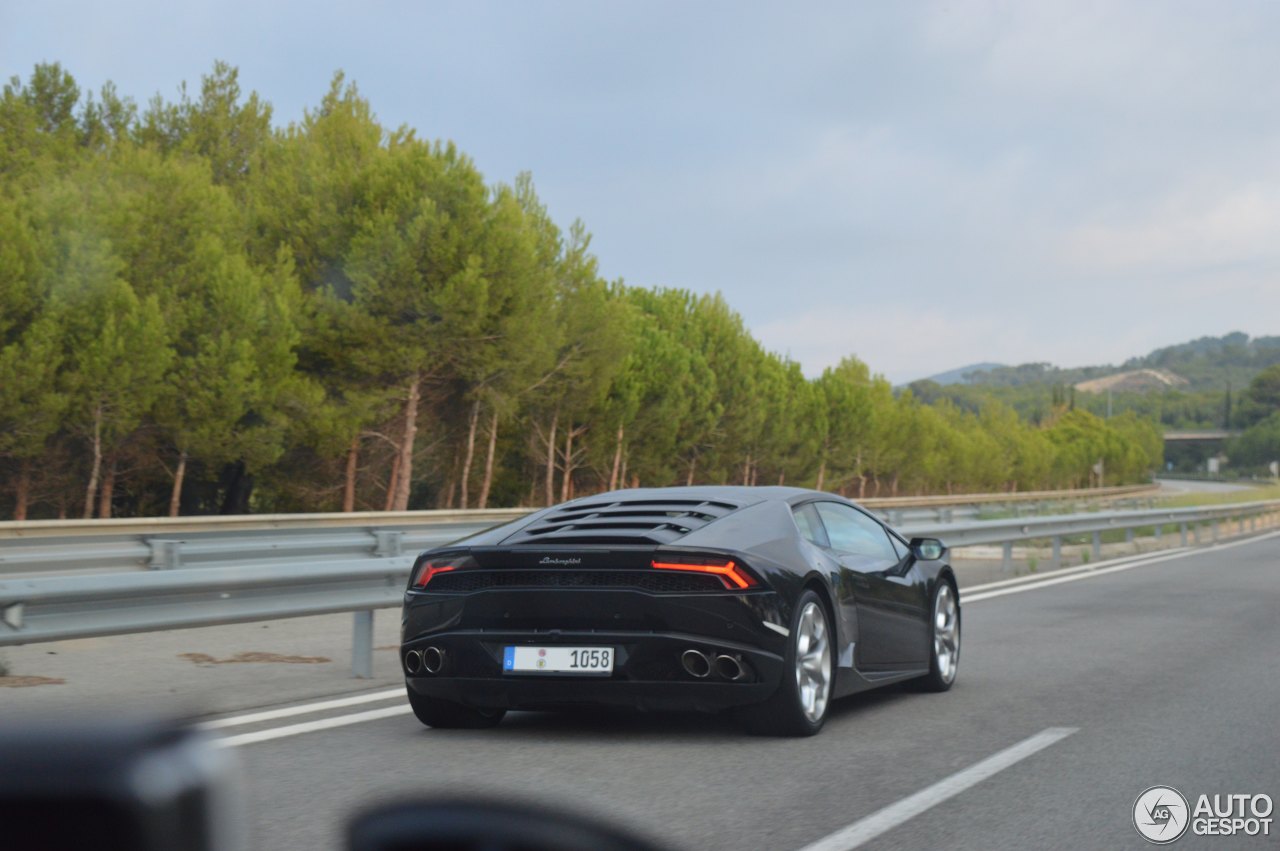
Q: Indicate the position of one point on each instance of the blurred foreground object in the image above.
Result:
(116, 786)
(483, 824)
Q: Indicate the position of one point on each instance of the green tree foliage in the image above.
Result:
(202, 312)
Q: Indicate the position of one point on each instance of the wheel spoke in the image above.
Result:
(813, 661)
(946, 633)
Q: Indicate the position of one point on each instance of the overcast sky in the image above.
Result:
(924, 185)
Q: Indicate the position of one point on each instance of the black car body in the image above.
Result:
(692, 598)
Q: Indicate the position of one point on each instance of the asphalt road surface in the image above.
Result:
(1076, 693)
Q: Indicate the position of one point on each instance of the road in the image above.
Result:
(1148, 672)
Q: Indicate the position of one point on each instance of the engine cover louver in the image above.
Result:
(643, 521)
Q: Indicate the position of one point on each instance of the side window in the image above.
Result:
(811, 526)
(855, 533)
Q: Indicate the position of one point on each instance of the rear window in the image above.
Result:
(810, 526)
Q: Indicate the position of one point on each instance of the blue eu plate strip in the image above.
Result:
(509, 659)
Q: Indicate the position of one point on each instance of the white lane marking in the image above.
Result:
(312, 726)
(303, 709)
(865, 829)
(1068, 571)
(1001, 592)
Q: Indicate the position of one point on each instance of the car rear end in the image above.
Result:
(595, 603)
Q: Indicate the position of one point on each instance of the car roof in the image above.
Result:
(743, 495)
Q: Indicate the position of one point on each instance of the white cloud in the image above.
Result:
(1196, 228)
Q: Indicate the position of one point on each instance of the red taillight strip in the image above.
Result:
(729, 572)
(427, 571)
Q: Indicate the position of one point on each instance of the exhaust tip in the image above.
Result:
(696, 663)
(432, 660)
(413, 661)
(730, 668)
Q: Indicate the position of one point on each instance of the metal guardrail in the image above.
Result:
(158, 527)
(280, 582)
(59, 546)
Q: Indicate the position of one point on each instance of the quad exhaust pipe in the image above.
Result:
(729, 668)
(696, 663)
(701, 665)
(413, 661)
(432, 660)
(429, 659)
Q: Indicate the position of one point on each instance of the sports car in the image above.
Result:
(768, 601)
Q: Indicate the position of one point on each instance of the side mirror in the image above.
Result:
(927, 549)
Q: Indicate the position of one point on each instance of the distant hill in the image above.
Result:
(970, 374)
(1207, 364)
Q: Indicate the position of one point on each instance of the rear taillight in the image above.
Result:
(433, 567)
(732, 574)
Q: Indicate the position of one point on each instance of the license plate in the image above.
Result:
(558, 660)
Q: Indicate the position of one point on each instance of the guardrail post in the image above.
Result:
(1215, 530)
(1057, 552)
(1195, 533)
(1097, 545)
(390, 543)
(362, 645)
(1006, 558)
(165, 554)
(1183, 527)
(1128, 535)
(1159, 531)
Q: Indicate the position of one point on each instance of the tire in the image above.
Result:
(447, 715)
(944, 652)
(799, 706)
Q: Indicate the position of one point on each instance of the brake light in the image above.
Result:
(430, 569)
(730, 573)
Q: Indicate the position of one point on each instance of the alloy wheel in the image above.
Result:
(813, 662)
(946, 633)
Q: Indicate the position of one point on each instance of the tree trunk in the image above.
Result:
(392, 483)
(566, 482)
(893, 485)
(179, 476)
(483, 502)
(470, 453)
(97, 463)
(108, 488)
(551, 459)
(617, 461)
(23, 494)
(693, 463)
(622, 475)
(405, 481)
(349, 485)
(822, 474)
